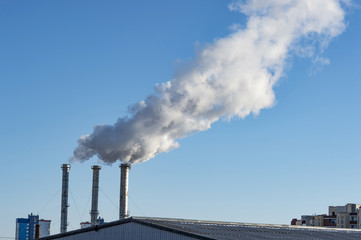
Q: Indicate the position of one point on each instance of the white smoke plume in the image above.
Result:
(232, 77)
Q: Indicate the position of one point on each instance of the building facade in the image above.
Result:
(308, 220)
(44, 227)
(347, 216)
(22, 229)
(324, 221)
(26, 227)
(347, 220)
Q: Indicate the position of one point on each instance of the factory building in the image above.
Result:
(140, 228)
(99, 221)
(146, 228)
(85, 225)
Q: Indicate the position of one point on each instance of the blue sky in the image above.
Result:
(65, 67)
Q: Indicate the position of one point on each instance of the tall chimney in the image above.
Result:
(95, 192)
(64, 198)
(123, 205)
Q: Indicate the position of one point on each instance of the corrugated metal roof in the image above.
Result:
(244, 231)
(212, 230)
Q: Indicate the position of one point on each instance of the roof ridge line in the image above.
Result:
(246, 224)
(169, 229)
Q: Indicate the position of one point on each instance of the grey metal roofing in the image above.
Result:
(244, 231)
(212, 230)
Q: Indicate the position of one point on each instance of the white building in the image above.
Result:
(85, 225)
(44, 227)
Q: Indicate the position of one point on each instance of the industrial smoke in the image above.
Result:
(232, 77)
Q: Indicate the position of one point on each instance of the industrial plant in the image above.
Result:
(142, 228)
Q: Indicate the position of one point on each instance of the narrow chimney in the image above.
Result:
(123, 205)
(64, 198)
(37, 231)
(95, 192)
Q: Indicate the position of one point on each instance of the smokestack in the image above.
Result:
(123, 205)
(95, 192)
(64, 198)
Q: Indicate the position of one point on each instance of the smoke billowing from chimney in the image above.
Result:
(232, 77)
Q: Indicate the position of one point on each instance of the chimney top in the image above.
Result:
(96, 167)
(65, 166)
(126, 165)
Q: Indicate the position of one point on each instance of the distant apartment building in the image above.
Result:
(348, 216)
(26, 228)
(324, 221)
(333, 210)
(352, 208)
(308, 220)
(44, 227)
(347, 220)
(349, 207)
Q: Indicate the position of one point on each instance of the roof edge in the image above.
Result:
(88, 229)
(143, 221)
(172, 230)
(124, 221)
